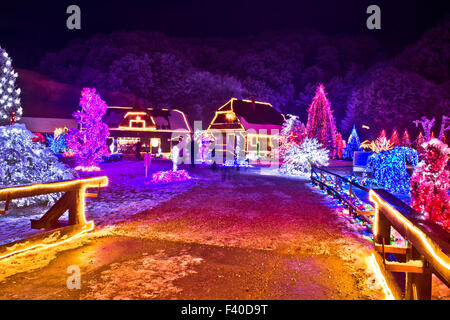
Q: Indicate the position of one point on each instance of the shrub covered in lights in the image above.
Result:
(170, 176)
(292, 134)
(298, 159)
(23, 162)
(89, 143)
(430, 183)
(10, 109)
(58, 142)
(389, 168)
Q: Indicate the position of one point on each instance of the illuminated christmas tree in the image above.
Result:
(321, 124)
(395, 139)
(353, 144)
(23, 162)
(298, 159)
(406, 141)
(292, 133)
(339, 146)
(89, 142)
(430, 183)
(420, 140)
(10, 109)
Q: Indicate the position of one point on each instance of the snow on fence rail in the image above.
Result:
(425, 253)
(427, 244)
(342, 189)
(73, 200)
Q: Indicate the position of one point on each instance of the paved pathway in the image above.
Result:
(234, 235)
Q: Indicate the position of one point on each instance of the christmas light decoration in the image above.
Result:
(298, 159)
(89, 142)
(389, 168)
(437, 255)
(57, 142)
(353, 144)
(10, 108)
(170, 176)
(395, 140)
(378, 145)
(406, 141)
(339, 146)
(430, 183)
(321, 124)
(203, 139)
(24, 162)
(293, 133)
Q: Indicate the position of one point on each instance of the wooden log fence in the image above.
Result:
(72, 200)
(427, 245)
(426, 251)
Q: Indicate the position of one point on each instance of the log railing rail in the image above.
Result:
(72, 200)
(427, 246)
(322, 178)
(426, 251)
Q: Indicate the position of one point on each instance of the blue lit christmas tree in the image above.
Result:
(353, 144)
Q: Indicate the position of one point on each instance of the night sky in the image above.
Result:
(29, 29)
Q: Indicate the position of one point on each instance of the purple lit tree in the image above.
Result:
(89, 142)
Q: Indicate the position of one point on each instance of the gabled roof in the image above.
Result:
(247, 114)
(257, 112)
(155, 119)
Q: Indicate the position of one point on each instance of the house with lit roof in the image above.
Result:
(249, 124)
(155, 129)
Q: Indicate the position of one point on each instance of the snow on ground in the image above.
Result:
(249, 209)
(152, 274)
(126, 195)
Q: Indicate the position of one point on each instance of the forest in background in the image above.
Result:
(198, 75)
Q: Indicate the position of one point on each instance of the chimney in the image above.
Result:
(253, 103)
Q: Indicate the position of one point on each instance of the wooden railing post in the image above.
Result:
(76, 207)
(382, 227)
(418, 285)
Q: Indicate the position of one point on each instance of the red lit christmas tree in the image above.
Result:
(89, 142)
(430, 183)
(395, 139)
(321, 124)
(406, 141)
(339, 146)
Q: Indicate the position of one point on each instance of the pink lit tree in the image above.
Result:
(430, 183)
(321, 124)
(395, 139)
(339, 146)
(89, 141)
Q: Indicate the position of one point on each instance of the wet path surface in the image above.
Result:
(234, 235)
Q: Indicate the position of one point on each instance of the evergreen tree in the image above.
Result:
(353, 144)
(292, 133)
(406, 141)
(23, 161)
(321, 124)
(339, 146)
(89, 142)
(430, 183)
(395, 139)
(10, 109)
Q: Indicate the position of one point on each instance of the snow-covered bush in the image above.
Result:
(23, 162)
(298, 159)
